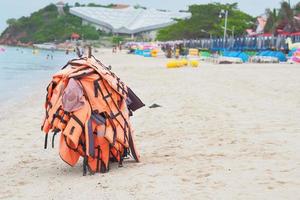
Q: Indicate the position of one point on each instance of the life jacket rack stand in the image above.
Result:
(80, 54)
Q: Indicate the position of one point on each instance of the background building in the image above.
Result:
(128, 20)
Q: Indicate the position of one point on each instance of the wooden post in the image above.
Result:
(89, 52)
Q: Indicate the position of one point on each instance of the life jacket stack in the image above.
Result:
(90, 106)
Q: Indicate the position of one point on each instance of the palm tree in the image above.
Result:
(297, 16)
(272, 21)
(286, 17)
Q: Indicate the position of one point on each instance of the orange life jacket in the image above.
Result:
(100, 130)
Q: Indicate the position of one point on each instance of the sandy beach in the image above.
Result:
(223, 132)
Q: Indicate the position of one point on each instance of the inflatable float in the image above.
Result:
(193, 52)
(182, 63)
(269, 57)
(236, 54)
(296, 56)
(292, 45)
(194, 63)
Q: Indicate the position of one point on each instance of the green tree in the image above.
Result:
(11, 21)
(46, 25)
(117, 39)
(205, 18)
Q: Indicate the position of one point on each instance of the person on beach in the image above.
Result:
(114, 49)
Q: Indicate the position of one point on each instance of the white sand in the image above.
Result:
(223, 132)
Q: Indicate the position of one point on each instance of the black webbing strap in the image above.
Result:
(114, 158)
(47, 114)
(120, 85)
(84, 74)
(125, 153)
(52, 84)
(109, 117)
(72, 130)
(79, 54)
(85, 165)
(103, 167)
(113, 74)
(48, 86)
(74, 64)
(131, 145)
(53, 136)
(113, 127)
(107, 96)
(114, 116)
(55, 115)
(65, 138)
(71, 62)
(98, 157)
(46, 141)
(125, 130)
(100, 63)
(85, 160)
(119, 112)
(91, 139)
(96, 88)
(98, 118)
(120, 162)
(49, 104)
(61, 118)
(78, 121)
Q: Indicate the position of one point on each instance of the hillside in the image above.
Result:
(205, 20)
(46, 25)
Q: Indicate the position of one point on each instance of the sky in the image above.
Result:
(19, 8)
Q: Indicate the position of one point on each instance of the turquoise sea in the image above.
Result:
(21, 69)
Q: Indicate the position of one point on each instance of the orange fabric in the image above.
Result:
(100, 129)
(68, 155)
(74, 130)
(96, 164)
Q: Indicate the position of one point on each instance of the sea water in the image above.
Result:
(21, 69)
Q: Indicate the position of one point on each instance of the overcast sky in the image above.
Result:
(19, 8)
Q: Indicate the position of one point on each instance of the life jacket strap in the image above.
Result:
(55, 115)
(53, 136)
(114, 116)
(96, 88)
(78, 121)
(98, 157)
(98, 118)
(46, 141)
(84, 74)
(121, 86)
(85, 161)
(120, 164)
(91, 149)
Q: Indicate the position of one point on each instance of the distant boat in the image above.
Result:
(48, 46)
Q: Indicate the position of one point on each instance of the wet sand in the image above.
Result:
(223, 132)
